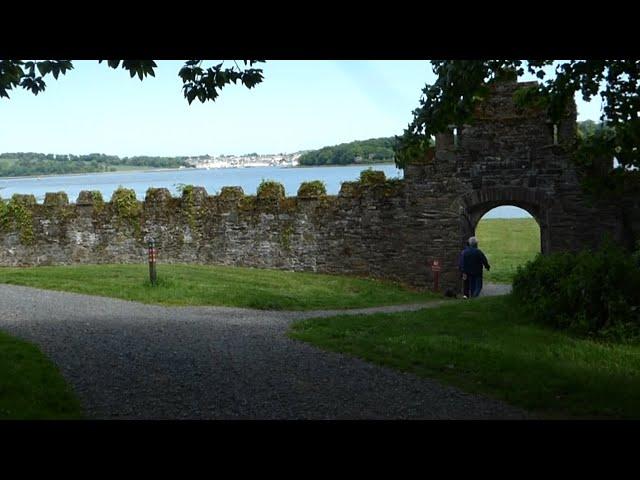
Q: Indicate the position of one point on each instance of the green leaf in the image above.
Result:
(44, 67)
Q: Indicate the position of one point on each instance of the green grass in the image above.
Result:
(483, 346)
(31, 388)
(212, 285)
(507, 243)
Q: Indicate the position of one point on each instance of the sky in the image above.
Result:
(300, 105)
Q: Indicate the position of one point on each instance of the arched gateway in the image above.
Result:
(388, 229)
(475, 205)
(506, 156)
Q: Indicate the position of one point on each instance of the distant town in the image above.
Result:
(248, 160)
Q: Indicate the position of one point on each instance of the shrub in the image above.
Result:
(591, 292)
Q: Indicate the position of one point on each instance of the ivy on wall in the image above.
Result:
(15, 215)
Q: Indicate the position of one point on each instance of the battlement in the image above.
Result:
(500, 125)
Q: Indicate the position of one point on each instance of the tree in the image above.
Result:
(198, 82)
(461, 84)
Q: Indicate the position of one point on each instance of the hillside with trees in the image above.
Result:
(29, 163)
(374, 150)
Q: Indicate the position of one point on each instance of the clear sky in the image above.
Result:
(300, 105)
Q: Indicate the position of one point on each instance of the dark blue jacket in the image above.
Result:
(461, 258)
(473, 260)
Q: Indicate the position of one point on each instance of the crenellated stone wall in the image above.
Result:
(347, 233)
(375, 227)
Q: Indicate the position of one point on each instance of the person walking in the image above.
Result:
(473, 261)
(465, 277)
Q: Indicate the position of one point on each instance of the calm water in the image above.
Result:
(213, 180)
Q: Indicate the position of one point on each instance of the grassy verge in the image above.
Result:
(210, 285)
(483, 346)
(507, 243)
(31, 388)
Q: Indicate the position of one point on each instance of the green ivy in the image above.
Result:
(285, 238)
(188, 205)
(15, 214)
(127, 208)
(98, 201)
(3, 214)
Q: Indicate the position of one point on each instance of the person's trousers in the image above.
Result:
(475, 284)
(465, 286)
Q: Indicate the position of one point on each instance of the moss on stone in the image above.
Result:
(26, 200)
(247, 203)
(90, 198)
(288, 204)
(313, 189)
(231, 194)
(56, 199)
(269, 189)
(349, 189)
(285, 237)
(157, 195)
(392, 186)
(371, 177)
(188, 205)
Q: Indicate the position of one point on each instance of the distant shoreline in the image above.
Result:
(95, 173)
(181, 169)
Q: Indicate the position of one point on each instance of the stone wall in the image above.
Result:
(382, 228)
(347, 233)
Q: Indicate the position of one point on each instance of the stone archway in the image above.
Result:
(473, 206)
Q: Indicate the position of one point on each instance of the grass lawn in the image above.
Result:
(483, 346)
(31, 388)
(212, 285)
(507, 243)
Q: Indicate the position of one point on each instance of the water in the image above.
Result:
(212, 180)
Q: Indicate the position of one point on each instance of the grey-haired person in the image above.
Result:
(473, 261)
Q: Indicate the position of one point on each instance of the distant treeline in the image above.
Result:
(380, 150)
(29, 163)
(375, 150)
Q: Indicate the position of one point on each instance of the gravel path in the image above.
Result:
(135, 361)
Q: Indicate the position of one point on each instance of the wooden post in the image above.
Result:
(153, 253)
(435, 268)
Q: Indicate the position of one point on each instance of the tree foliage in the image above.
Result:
(374, 150)
(203, 83)
(461, 84)
(30, 163)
